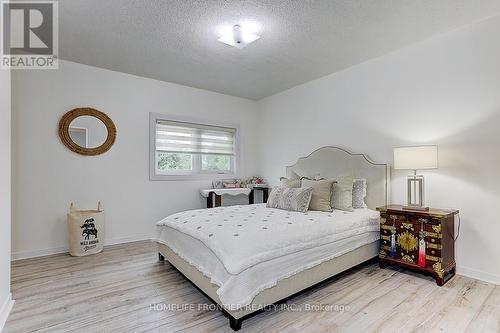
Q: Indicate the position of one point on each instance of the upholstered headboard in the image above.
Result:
(331, 162)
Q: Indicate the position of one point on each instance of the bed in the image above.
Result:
(245, 258)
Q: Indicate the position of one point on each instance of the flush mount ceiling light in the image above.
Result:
(238, 37)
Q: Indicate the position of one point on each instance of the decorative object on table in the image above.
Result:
(416, 158)
(87, 131)
(85, 231)
(421, 246)
(256, 182)
(437, 229)
(231, 183)
(217, 183)
(393, 237)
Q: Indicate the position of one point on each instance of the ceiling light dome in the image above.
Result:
(238, 37)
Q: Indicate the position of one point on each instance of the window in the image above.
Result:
(187, 149)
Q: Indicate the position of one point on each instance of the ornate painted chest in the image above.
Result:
(418, 240)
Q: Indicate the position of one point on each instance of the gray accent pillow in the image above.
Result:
(342, 193)
(321, 198)
(293, 182)
(292, 199)
(358, 193)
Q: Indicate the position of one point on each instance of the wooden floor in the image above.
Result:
(113, 292)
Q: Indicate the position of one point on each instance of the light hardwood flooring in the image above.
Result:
(113, 291)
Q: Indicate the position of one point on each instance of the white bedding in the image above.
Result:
(246, 249)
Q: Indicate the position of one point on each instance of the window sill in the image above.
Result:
(197, 176)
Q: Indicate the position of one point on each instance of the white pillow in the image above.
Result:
(358, 193)
(342, 193)
(294, 180)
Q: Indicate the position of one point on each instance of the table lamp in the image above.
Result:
(415, 158)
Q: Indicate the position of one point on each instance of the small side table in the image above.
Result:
(265, 194)
(214, 195)
(437, 226)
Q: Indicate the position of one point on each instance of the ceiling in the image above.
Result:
(176, 40)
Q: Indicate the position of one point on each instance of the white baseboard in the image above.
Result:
(478, 275)
(46, 252)
(5, 310)
(124, 240)
(37, 253)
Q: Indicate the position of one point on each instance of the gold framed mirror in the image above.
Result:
(87, 131)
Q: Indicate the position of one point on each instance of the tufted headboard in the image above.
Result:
(331, 162)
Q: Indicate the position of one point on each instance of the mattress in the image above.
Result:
(324, 236)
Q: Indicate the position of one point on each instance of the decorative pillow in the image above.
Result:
(292, 182)
(321, 198)
(294, 199)
(358, 193)
(342, 193)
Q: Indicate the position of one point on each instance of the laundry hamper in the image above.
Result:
(85, 231)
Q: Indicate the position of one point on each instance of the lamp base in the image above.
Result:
(415, 190)
(419, 208)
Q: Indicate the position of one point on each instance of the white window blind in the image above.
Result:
(189, 138)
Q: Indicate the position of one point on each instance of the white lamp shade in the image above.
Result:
(416, 158)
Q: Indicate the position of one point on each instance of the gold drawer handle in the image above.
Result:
(423, 220)
(434, 246)
(432, 234)
(433, 258)
(386, 248)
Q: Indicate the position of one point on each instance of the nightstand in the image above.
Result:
(265, 194)
(438, 232)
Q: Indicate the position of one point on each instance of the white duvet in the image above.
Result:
(246, 249)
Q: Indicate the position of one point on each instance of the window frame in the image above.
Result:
(197, 173)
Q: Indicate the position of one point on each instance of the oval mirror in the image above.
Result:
(87, 131)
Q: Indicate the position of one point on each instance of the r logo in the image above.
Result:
(28, 28)
(29, 37)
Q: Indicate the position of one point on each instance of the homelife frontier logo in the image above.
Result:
(29, 35)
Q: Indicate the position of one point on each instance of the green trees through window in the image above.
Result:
(172, 161)
(184, 162)
(216, 162)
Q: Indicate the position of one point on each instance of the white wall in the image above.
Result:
(47, 176)
(443, 91)
(5, 196)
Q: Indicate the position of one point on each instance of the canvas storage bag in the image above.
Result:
(85, 231)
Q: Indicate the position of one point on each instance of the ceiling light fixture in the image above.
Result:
(238, 37)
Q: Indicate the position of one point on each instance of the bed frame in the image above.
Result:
(325, 162)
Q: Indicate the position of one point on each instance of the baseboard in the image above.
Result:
(124, 240)
(5, 310)
(478, 275)
(37, 253)
(56, 250)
